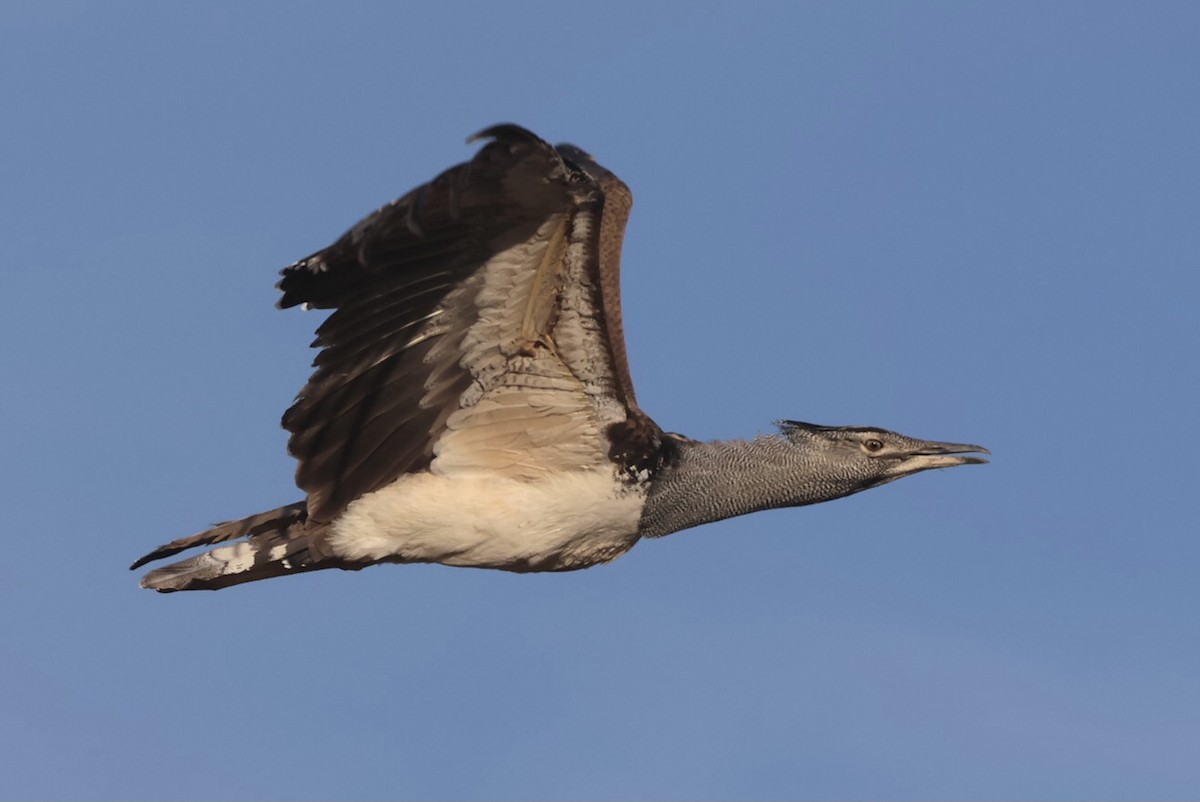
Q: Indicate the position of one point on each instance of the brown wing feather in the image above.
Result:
(404, 284)
(367, 414)
(618, 201)
(637, 443)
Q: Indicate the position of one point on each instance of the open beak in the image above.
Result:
(944, 455)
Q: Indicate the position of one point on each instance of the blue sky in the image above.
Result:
(962, 221)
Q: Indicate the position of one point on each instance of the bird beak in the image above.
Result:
(944, 455)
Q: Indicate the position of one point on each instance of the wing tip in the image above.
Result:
(507, 132)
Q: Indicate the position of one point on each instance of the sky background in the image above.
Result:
(962, 221)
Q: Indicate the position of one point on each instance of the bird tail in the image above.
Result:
(272, 543)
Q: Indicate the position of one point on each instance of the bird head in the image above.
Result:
(869, 457)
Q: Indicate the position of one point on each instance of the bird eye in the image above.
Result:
(874, 444)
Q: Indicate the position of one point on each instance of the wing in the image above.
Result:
(473, 328)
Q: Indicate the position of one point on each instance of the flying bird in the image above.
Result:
(472, 405)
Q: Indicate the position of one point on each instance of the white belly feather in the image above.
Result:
(563, 521)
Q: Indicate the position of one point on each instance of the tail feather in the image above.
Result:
(276, 542)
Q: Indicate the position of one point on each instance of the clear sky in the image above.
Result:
(963, 221)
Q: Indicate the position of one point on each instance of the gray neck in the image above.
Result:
(723, 478)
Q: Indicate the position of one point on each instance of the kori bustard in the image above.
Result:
(472, 403)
